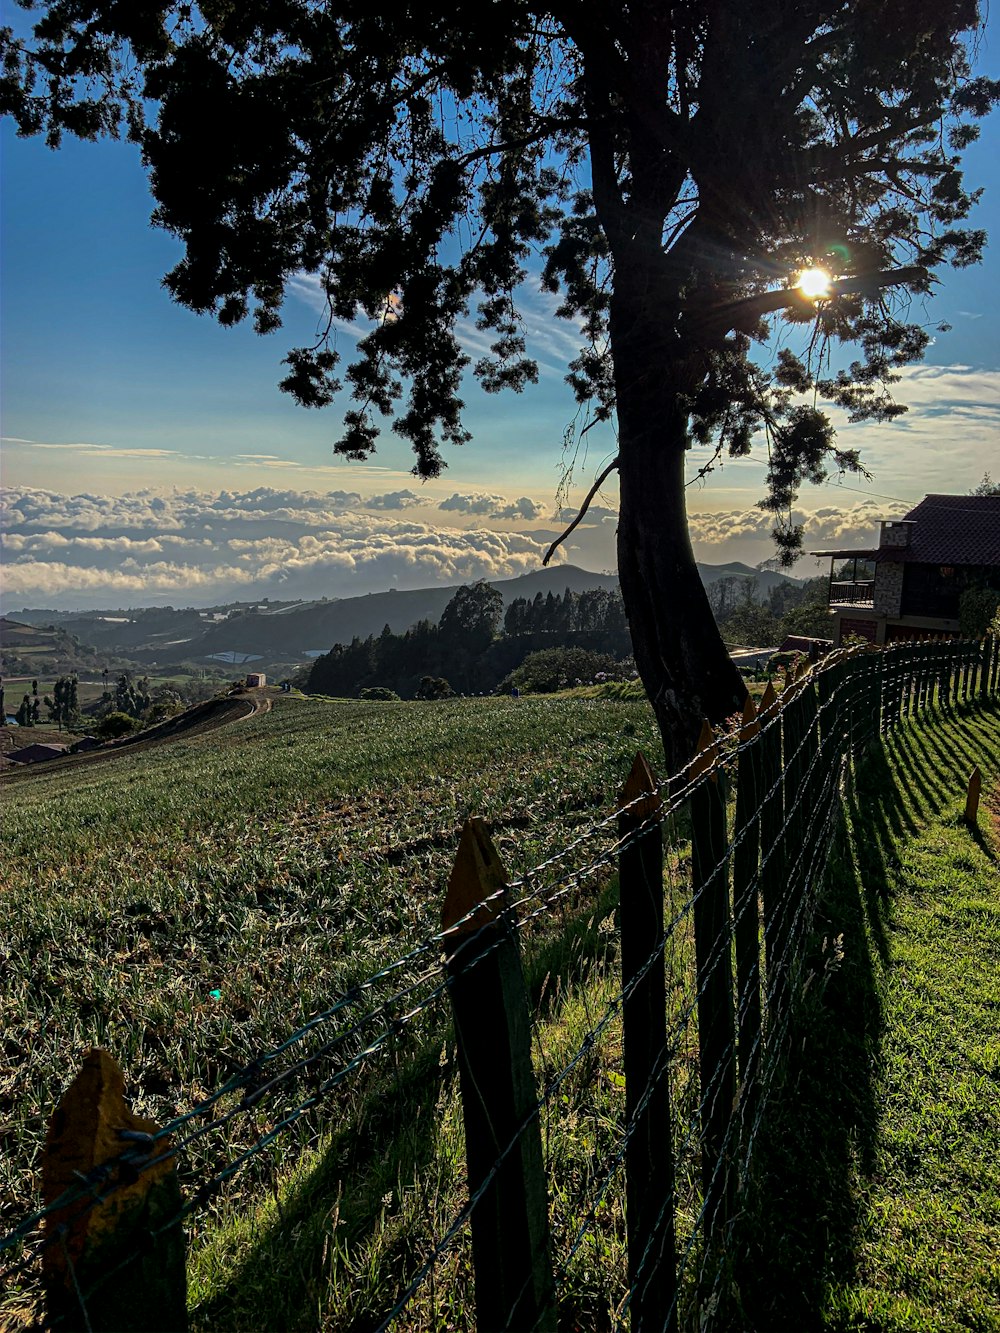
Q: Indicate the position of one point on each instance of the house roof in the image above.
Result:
(947, 530)
(33, 753)
(955, 530)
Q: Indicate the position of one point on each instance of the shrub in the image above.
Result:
(378, 694)
(114, 725)
(434, 687)
(977, 607)
(552, 669)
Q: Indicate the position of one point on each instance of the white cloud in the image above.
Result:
(65, 550)
(393, 500)
(855, 524)
(493, 506)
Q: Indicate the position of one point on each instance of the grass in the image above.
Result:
(278, 860)
(879, 1194)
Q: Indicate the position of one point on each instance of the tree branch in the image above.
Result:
(583, 509)
(743, 314)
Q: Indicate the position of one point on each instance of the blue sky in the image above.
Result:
(110, 390)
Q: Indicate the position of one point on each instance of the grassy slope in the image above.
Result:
(882, 1200)
(277, 861)
(928, 1229)
(879, 1186)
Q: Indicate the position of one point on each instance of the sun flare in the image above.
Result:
(814, 283)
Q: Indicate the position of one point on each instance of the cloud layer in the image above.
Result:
(202, 547)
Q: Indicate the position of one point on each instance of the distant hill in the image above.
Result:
(27, 650)
(290, 634)
(284, 634)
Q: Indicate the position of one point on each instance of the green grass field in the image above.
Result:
(879, 1203)
(277, 861)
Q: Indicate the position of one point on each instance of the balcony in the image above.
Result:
(858, 592)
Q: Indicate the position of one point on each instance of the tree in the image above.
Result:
(131, 697)
(378, 694)
(471, 619)
(551, 669)
(434, 687)
(114, 725)
(977, 609)
(63, 706)
(986, 487)
(675, 165)
(25, 713)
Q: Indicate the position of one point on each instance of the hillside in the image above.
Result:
(29, 650)
(279, 636)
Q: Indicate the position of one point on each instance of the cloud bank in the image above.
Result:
(193, 547)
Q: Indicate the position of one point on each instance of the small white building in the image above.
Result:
(255, 679)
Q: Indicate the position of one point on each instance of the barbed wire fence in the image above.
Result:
(719, 870)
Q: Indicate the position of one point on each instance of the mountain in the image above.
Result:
(280, 636)
(288, 635)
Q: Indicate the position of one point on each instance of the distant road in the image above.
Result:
(193, 721)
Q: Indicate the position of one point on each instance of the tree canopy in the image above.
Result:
(668, 169)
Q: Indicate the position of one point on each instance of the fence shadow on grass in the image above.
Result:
(802, 1209)
(318, 1235)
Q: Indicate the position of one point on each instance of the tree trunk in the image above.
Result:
(684, 665)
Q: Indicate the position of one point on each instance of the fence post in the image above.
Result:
(712, 942)
(984, 667)
(503, 1144)
(967, 671)
(797, 727)
(771, 816)
(746, 910)
(649, 1158)
(132, 1237)
(972, 796)
(873, 698)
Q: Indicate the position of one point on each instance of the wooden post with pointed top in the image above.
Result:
(746, 910)
(503, 1144)
(716, 1026)
(117, 1266)
(649, 1159)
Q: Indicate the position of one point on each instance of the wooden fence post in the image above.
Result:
(967, 671)
(984, 667)
(716, 1027)
(117, 1266)
(649, 1156)
(746, 910)
(509, 1223)
(891, 709)
(972, 797)
(771, 816)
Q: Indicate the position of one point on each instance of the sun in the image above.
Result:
(814, 283)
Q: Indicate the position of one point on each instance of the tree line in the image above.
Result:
(544, 642)
(467, 651)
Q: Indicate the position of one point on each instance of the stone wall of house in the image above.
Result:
(888, 591)
(895, 534)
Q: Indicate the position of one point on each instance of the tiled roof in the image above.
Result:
(955, 530)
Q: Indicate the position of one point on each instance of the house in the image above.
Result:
(910, 585)
(34, 754)
(255, 679)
